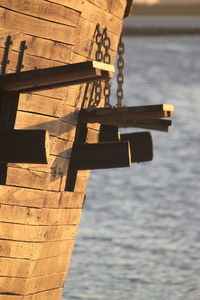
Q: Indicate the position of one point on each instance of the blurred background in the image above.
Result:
(139, 236)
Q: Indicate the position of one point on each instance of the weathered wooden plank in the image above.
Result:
(31, 268)
(43, 10)
(37, 27)
(76, 5)
(98, 15)
(33, 250)
(32, 285)
(69, 114)
(154, 124)
(40, 104)
(81, 183)
(114, 7)
(26, 120)
(92, 136)
(49, 266)
(85, 48)
(36, 47)
(52, 199)
(31, 233)
(21, 196)
(51, 294)
(115, 115)
(39, 216)
(60, 147)
(71, 200)
(66, 131)
(58, 93)
(27, 178)
(37, 176)
(56, 165)
(30, 62)
(48, 78)
(75, 95)
(87, 30)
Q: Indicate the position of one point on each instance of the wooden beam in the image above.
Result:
(101, 155)
(129, 7)
(24, 146)
(48, 78)
(141, 146)
(154, 124)
(120, 115)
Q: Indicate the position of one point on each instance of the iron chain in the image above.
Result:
(120, 75)
(107, 60)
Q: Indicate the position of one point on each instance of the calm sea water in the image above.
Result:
(139, 236)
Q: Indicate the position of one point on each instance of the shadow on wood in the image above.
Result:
(141, 146)
(109, 133)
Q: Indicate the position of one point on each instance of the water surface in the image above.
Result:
(139, 236)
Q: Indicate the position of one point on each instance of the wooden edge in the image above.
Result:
(154, 124)
(128, 9)
(103, 66)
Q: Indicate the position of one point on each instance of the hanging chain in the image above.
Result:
(120, 75)
(102, 40)
(107, 60)
(96, 86)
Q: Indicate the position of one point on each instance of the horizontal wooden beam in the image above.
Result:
(101, 156)
(141, 146)
(120, 115)
(24, 146)
(154, 124)
(48, 78)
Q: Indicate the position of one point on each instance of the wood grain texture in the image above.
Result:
(37, 216)
(98, 15)
(33, 285)
(40, 104)
(113, 7)
(46, 295)
(43, 10)
(76, 5)
(37, 27)
(115, 115)
(22, 197)
(36, 47)
(31, 268)
(27, 178)
(31, 233)
(35, 250)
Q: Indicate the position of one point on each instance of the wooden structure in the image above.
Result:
(49, 141)
(46, 54)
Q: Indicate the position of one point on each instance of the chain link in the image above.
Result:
(107, 60)
(120, 75)
(102, 40)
